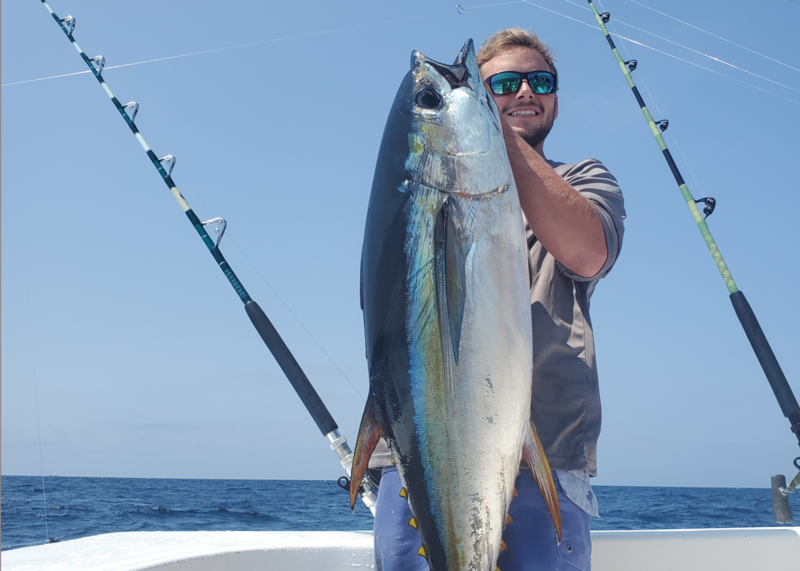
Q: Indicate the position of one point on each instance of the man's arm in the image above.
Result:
(564, 221)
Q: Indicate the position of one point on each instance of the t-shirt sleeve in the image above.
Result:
(592, 179)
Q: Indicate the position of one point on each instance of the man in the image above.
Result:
(574, 215)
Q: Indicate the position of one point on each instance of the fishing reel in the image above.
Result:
(373, 476)
(780, 495)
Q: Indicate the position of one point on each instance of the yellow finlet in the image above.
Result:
(392, 460)
(422, 551)
(403, 493)
(413, 523)
(508, 519)
(503, 546)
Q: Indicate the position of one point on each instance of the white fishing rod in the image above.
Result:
(302, 386)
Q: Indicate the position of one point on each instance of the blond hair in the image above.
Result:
(506, 40)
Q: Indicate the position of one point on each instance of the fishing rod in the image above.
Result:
(769, 363)
(302, 386)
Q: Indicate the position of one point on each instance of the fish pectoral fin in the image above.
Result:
(534, 456)
(452, 248)
(369, 433)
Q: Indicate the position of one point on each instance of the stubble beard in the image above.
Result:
(537, 136)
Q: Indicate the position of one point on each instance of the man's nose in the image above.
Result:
(525, 89)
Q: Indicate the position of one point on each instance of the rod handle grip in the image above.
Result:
(772, 369)
(302, 386)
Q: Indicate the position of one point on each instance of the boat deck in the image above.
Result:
(743, 549)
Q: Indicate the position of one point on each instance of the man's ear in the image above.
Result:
(556, 107)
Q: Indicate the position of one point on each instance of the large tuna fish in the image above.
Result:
(447, 316)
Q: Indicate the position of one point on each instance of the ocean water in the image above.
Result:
(80, 507)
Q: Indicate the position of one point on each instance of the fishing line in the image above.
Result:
(716, 36)
(232, 240)
(45, 78)
(562, 15)
(294, 373)
(655, 103)
(31, 345)
(286, 305)
(713, 58)
(638, 43)
(461, 9)
(250, 44)
(41, 461)
(239, 46)
(758, 341)
(673, 138)
(139, 62)
(707, 69)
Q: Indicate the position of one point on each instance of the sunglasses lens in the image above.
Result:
(541, 82)
(509, 82)
(505, 83)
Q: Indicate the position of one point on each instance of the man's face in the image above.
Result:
(531, 115)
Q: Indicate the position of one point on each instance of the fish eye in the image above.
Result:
(428, 98)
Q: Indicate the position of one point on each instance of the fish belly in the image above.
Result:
(470, 415)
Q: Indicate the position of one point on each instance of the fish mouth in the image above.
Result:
(458, 74)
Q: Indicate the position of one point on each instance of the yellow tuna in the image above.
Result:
(447, 316)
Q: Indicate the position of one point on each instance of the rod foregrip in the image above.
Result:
(772, 369)
(302, 386)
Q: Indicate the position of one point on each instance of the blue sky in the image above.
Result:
(139, 354)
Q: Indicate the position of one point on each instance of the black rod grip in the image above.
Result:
(772, 369)
(302, 386)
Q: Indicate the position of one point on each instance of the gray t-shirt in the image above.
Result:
(566, 401)
(566, 398)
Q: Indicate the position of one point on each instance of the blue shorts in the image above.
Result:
(531, 538)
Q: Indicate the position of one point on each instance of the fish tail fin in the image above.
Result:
(369, 433)
(534, 456)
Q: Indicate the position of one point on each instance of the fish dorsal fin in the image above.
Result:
(452, 248)
(533, 454)
(369, 433)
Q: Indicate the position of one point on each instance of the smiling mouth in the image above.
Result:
(524, 113)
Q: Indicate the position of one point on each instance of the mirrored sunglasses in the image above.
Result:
(508, 82)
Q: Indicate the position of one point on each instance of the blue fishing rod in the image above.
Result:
(302, 386)
(761, 347)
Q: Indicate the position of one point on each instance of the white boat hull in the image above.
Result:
(741, 549)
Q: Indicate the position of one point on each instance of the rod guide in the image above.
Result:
(709, 205)
(69, 22)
